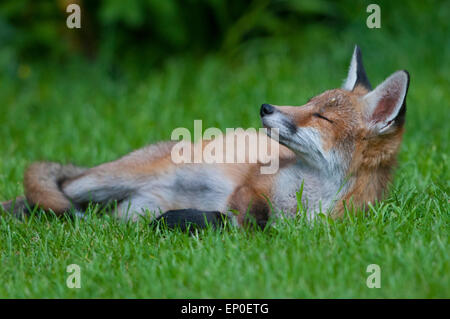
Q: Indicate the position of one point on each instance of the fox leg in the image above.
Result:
(253, 208)
(114, 186)
(131, 181)
(98, 188)
(137, 205)
(191, 218)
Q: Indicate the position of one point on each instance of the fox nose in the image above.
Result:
(266, 109)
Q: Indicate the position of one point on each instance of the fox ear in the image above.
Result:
(356, 73)
(386, 104)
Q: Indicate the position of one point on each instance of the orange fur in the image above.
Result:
(349, 132)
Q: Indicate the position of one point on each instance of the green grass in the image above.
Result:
(82, 114)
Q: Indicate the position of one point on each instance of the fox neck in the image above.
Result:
(318, 188)
(330, 190)
(365, 186)
(370, 173)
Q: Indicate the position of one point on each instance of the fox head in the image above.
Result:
(345, 129)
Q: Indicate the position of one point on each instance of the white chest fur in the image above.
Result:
(320, 190)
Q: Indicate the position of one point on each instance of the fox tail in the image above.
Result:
(42, 183)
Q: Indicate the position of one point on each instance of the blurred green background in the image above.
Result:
(143, 33)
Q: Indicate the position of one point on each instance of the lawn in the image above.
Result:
(83, 113)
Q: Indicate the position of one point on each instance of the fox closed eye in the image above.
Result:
(322, 117)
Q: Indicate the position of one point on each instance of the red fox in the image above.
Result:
(340, 148)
